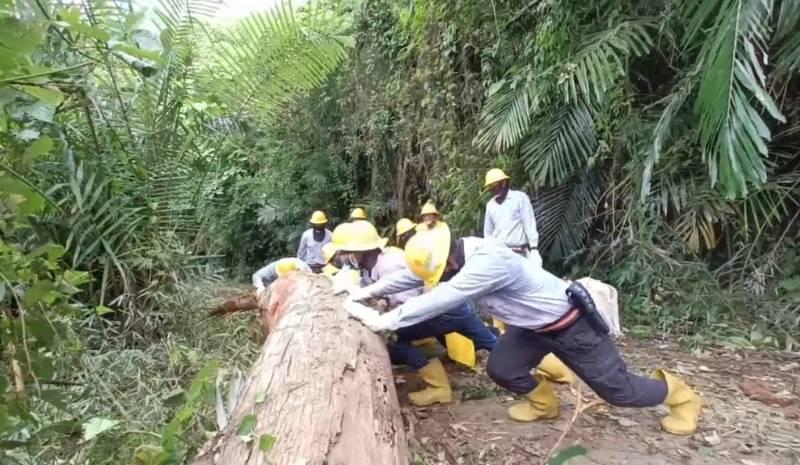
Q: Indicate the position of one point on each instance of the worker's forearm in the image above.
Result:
(423, 307)
(399, 281)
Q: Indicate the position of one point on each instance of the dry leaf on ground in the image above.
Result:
(760, 392)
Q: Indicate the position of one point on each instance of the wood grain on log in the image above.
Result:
(326, 381)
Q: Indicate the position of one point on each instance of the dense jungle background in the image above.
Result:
(152, 157)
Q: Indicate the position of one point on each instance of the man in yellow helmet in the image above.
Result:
(429, 216)
(544, 314)
(509, 217)
(365, 249)
(274, 270)
(358, 213)
(312, 241)
(404, 229)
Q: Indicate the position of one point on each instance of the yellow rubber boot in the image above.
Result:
(460, 349)
(429, 346)
(427, 342)
(499, 325)
(542, 403)
(684, 405)
(438, 390)
(554, 369)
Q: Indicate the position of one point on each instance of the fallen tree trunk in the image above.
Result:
(322, 388)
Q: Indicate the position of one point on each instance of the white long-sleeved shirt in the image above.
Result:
(309, 250)
(512, 288)
(511, 222)
(391, 262)
(264, 276)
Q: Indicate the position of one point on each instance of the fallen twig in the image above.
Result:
(568, 426)
(579, 408)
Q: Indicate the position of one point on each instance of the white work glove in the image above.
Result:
(370, 317)
(343, 282)
(359, 294)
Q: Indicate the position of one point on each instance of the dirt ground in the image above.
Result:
(735, 427)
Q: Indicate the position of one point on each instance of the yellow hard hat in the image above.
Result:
(358, 236)
(318, 217)
(426, 254)
(286, 266)
(328, 251)
(358, 213)
(403, 226)
(341, 235)
(429, 208)
(495, 175)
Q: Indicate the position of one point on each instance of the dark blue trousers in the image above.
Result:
(463, 320)
(592, 356)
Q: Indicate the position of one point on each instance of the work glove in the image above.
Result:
(360, 294)
(345, 282)
(370, 317)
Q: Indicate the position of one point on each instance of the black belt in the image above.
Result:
(523, 246)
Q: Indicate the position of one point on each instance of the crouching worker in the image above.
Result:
(277, 269)
(544, 314)
(458, 327)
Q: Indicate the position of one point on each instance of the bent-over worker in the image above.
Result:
(544, 314)
(509, 217)
(274, 270)
(312, 241)
(458, 327)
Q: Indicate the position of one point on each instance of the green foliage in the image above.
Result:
(115, 134)
(733, 133)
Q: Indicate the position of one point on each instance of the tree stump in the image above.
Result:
(322, 388)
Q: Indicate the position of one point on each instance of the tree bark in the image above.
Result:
(322, 387)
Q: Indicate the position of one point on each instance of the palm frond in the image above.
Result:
(787, 39)
(180, 20)
(271, 56)
(771, 204)
(732, 131)
(601, 60)
(662, 132)
(565, 213)
(561, 147)
(583, 77)
(699, 224)
(505, 119)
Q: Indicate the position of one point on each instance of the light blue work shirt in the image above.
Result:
(512, 289)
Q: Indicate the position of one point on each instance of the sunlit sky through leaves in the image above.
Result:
(231, 10)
